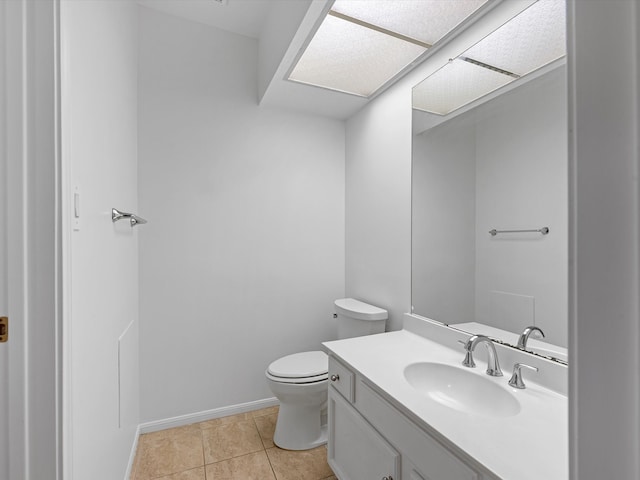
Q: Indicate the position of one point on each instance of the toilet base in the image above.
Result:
(299, 428)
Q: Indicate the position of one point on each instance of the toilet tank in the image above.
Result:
(356, 318)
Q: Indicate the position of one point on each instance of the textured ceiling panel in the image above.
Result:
(350, 58)
(530, 40)
(455, 85)
(424, 20)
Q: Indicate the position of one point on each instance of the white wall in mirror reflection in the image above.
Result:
(502, 165)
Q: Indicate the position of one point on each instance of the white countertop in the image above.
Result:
(531, 445)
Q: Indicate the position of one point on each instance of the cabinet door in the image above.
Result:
(429, 459)
(355, 450)
(409, 472)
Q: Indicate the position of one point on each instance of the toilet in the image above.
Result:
(300, 381)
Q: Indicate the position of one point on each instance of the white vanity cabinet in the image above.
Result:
(355, 449)
(369, 439)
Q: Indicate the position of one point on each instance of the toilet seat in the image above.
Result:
(298, 381)
(305, 367)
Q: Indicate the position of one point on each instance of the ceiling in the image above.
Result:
(283, 28)
(249, 17)
(244, 17)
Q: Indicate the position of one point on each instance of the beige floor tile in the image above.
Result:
(265, 411)
(169, 432)
(266, 426)
(168, 452)
(254, 466)
(230, 440)
(194, 474)
(215, 422)
(300, 465)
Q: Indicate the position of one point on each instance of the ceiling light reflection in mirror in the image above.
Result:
(363, 44)
(455, 85)
(531, 40)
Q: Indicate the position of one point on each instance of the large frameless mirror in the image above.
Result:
(490, 185)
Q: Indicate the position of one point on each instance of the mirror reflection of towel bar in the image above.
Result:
(133, 219)
(543, 231)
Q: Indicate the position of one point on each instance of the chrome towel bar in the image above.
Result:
(543, 231)
(133, 219)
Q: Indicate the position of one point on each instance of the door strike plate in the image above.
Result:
(4, 329)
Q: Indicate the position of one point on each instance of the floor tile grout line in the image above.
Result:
(258, 430)
(204, 459)
(271, 464)
(234, 456)
(259, 434)
(264, 448)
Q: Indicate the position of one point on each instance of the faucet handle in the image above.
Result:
(516, 379)
(468, 357)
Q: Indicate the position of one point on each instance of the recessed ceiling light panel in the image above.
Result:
(424, 20)
(351, 58)
(455, 85)
(362, 45)
(528, 41)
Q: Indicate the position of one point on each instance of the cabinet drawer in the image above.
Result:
(341, 378)
(430, 458)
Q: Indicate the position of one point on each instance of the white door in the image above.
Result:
(4, 379)
(29, 404)
(12, 281)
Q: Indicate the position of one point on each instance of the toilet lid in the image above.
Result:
(300, 365)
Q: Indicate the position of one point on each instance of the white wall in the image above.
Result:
(244, 251)
(99, 148)
(504, 166)
(443, 277)
(378, 204)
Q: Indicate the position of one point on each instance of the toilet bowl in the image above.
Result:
(299, 381)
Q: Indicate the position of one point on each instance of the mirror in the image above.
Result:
(490, 186)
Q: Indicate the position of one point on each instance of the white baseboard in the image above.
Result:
(182, 420)
(132, 455)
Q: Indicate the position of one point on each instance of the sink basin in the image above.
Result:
(462, 389)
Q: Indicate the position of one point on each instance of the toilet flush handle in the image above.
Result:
(335, 377)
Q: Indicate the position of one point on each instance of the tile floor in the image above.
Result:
(239, 447)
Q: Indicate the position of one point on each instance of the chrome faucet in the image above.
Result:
(522, 341)
(493, 367)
